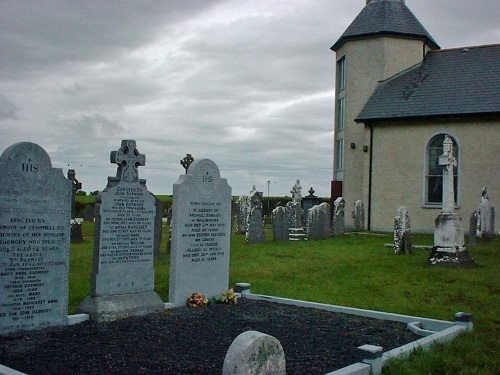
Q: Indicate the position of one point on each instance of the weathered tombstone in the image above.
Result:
(402, 229)
(201, 228)
(35, 213)
(158, 227)
(338, 225)
(318, 222)
(88, 214)
(359, 215)
(255, 226)
(242, 211)
(296, 231)
(472, 228)
(76, 228)
(485, 216)
(76, 232)
(122, 282)
(253, 352)
(449, 245)
(280, 224)
(309, 201)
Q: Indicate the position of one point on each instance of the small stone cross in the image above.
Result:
(128, 159)
(186, 162)
(448, 162)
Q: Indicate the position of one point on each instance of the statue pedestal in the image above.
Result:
(449, 244)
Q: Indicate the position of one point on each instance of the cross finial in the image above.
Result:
(128, 159)
(186, 162)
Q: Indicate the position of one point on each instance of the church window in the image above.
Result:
(341, 73)
(434, 171)
(339, 154)
(340, 113)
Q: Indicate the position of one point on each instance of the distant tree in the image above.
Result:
(81, 193)
(94, 192)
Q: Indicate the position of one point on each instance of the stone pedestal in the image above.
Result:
(113, 307)
(449, 244)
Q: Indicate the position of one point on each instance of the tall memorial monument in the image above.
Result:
(201, 229)
(122, 282)
(35, 213)
(449, 244)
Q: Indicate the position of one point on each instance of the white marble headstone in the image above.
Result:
(201, 229)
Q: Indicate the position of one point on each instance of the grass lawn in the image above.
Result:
(358, 271)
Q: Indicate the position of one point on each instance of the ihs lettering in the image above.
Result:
(207, 178)
(29, 167)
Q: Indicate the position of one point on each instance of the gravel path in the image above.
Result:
(195, 341)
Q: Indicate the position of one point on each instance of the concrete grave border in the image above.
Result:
(372, 359)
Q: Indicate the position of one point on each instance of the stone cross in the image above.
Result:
(186, 162)
(128, 159)
(448, 162)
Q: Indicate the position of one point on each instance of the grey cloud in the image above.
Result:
(7, 109)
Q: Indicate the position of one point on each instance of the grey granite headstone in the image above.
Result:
(35, 213)
(255, 226)
(88, 214)
(280, 224)
(122, 282)
(253, 352)
(201, 229)
(338, 225)
(485, 216)
(318, 222)
(472, 229)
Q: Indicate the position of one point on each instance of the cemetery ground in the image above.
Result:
(356, 270)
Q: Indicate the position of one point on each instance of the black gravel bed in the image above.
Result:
(195, 341)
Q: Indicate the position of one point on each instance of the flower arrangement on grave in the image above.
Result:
(199, 299)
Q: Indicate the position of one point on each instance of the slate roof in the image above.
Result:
(448, 83)
(385, 18)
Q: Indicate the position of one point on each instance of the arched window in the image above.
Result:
(434, 171)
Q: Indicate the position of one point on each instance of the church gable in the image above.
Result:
(448, 83)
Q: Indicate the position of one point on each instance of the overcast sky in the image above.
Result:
(248, 84)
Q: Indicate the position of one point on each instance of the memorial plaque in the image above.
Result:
(35, 213)
(124, 243)
(201, 227)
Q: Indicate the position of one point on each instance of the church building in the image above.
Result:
(397, 96)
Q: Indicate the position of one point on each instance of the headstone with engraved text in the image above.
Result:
(122, 281)
(201, 229)
(35, 212)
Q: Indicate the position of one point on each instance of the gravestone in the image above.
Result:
(280, 224)
(242, 211)
(338, 225)
(296, 231)
(358, 215)
(35, 213)
(485, 216)
(158, 227)
(255, 226)
(472, 228)
(318, 222)
(253, 352)
(122, 282)
(309, 201)
(201, 228)
(88, 214)
(402, 229)
(76, 232)
(449, 245)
